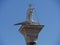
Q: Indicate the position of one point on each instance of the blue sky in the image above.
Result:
(14, 11)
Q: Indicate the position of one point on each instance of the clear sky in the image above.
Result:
(14, 11)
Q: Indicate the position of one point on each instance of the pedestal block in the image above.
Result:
(30, 32)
